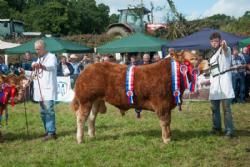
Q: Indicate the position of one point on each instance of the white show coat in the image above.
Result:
(47, 79)
(221, 86)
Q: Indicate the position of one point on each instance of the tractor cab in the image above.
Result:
(136, 18)
(130, 20)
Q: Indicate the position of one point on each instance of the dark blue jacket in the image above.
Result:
(60, 70)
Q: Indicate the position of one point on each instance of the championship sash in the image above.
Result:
(176, 80)
(130, 84)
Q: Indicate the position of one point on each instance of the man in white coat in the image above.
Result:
(221, 89)
(45, 87)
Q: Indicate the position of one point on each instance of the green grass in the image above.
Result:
(126, 141)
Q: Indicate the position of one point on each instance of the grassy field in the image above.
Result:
(126, 141)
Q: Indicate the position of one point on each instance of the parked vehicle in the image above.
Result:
(11, 28)
(135, 20)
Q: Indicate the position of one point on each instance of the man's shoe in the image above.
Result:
(215, 132)
(50, 137)
(229, 136)
(43, 135)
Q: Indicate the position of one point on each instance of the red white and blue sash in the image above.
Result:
(130, 83)
(176, 81)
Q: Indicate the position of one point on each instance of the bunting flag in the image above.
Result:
(130, 84)
(175, 69)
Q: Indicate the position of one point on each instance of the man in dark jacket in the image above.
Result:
(64, 68)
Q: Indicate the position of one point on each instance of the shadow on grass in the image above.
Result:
(177, 135)
(9, 136)
(242, 133)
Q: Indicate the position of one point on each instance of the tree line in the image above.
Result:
(64, 17)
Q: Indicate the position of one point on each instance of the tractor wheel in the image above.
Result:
(118, 32)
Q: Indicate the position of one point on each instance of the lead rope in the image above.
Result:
(25, 113)
(39, 85)
(25, 108)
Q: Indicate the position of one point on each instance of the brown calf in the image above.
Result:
(102, 82)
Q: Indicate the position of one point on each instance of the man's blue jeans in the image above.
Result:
(48, 116)
(238, 81)
(216, 116)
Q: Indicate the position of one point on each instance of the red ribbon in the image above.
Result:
(12, 95)
(6, 91)
(184, 70)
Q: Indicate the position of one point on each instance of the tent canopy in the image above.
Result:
(200, 40)
(6, 45)
(244, 42)
(53, 44)
(137, 42)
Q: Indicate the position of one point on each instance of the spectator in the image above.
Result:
(112, 59)
(156, 57)
(45, 87)
(85, 62)
(106, 58)
(13, 69)
(133, 60)
(64, 68)
(170, 51)
(221, 88)
(76, 66)
(246, 55)
(3, 67)
(27, 61)
(97, 59)
(26, 66)
(145, 59)
(238, 76)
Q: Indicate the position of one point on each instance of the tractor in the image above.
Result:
(135, 20)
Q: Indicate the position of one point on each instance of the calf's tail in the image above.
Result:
(75, 104)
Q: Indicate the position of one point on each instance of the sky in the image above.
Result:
(191, 9)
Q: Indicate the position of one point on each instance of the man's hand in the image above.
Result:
(38, 66)
(224, 45)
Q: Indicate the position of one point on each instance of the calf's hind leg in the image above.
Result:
(97, 107)
(165, 120)
(81, 116)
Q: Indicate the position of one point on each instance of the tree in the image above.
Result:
(47, 18)
(4, 13)
(177, 23)
(114, 18)
(88, 18)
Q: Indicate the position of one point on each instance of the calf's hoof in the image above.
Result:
(79, 140)
(166, 141)
(91, 134)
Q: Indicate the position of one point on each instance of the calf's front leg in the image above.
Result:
(165, 121)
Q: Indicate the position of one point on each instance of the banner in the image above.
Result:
(64, 90)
